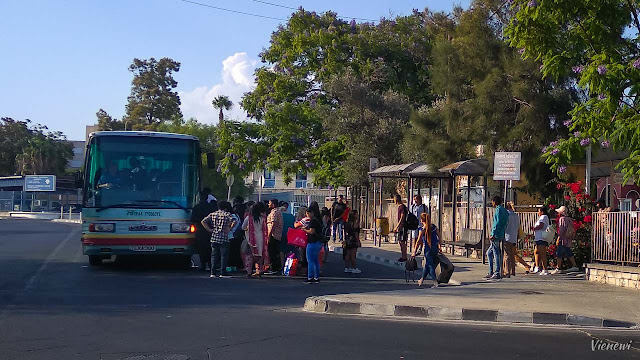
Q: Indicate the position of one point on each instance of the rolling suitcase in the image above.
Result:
(444, 269)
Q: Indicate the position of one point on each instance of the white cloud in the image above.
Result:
(237, 78)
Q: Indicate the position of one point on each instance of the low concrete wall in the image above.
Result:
(622, 276)
(34, 215)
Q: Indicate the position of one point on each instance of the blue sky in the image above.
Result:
(63, 60)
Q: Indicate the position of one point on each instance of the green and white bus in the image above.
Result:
(138, 193)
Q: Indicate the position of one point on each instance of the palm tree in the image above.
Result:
(222, 102)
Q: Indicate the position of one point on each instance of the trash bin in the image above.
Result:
(382, 226)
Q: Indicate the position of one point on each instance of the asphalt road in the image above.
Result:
(54, 306)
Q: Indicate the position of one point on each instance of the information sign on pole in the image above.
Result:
(40, 183)
(373, 164)
(506, 166)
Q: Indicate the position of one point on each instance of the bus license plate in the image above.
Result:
(144, 248)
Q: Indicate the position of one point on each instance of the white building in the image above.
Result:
(299, 192)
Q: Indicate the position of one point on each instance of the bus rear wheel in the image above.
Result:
(95, 260)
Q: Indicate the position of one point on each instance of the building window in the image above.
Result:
(301, 180)
(269, 179)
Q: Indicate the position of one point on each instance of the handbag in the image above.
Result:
(297, 237)
(549, 234)
(411, 264)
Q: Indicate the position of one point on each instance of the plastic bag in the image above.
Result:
(297, 237)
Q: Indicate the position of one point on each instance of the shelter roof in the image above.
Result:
(395, 171)
(427, 171)
(473, 167)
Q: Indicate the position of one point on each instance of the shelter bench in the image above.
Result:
(469, 239)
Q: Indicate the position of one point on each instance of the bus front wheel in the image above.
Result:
(95, 260)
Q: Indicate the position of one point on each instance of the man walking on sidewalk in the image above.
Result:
(417, 209)
(337, 212)
(400, 229)
(274, 233)
(500, 219)
(566, 233)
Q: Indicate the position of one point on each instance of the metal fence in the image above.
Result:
(41, 201)
(616, 237)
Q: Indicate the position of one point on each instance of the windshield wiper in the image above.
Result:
(165, 202)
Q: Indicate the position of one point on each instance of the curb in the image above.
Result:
(67, 221)
(373, 259)
(328, 306)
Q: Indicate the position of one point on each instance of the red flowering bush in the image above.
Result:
(579, 206)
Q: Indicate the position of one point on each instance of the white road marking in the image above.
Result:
(32, 280)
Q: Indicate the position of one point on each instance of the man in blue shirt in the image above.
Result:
(500, 220)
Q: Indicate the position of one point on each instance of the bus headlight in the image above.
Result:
(180, 228)
(102, 227)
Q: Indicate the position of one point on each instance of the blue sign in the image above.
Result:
(40, 183)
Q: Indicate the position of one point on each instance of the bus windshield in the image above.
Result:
(137, 171)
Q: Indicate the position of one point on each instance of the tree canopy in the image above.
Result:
(486, 94)
(594, 43)
(27, 148)
(153, 98)
(291, 101)
(222, 102)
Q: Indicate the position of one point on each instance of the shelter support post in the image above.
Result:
(381, 209)
(440, 203)
(484, 217)
(430, 195)
(454, 198)
(409, 199)
(468, 202)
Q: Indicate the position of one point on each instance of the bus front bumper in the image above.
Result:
(137, 246)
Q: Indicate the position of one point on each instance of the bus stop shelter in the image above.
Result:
(414, 174)
(469, 169)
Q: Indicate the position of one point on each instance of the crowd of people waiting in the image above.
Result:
(506, 231)
(255, 236)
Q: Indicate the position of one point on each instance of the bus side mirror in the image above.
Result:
(78, 179)
(211, 160)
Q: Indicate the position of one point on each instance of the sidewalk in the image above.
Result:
(564, 299)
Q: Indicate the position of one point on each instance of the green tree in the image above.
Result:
(487, 95)
(153, 98)
(106, 122)
(222, 102)
(290, 95)
(14, 137)
(32, 149)
(208, 135)
(368, 123)
(596, 44)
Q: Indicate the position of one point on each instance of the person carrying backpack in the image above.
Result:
(413, 220)
(351, 244)
(400, 229)
(566, 233)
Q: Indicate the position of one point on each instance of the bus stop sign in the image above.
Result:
(506, 166)
(40, 183)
